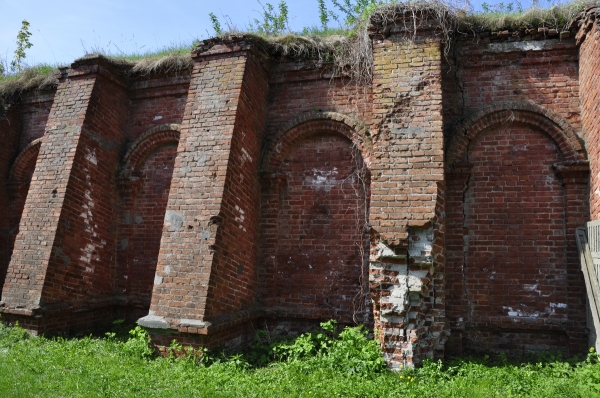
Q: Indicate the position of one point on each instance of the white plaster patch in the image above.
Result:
(322, 179)
(90, 156)
(157, 118)
(87, 254)
(420, 242)
(246, 156)
(522, 46)
(158, 280)
(240, 218)
(382, 252)
(521, 313)
(558, 305)
(415, 280)
(531, 288)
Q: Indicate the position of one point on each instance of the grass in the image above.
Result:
(115, 366)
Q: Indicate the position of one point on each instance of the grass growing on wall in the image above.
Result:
(347, 48)
(120, 365)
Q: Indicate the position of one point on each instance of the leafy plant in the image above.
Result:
(138, 345)
(274, 22)
(354, 9)
(23, 44)
(216, 25)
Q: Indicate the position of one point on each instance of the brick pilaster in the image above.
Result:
(64, 252)
(408, 147)
(207, 264)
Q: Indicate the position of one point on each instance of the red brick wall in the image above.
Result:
(209, 244)
(83, 260)
(233, 282)
(506, 248)
(66, 243)
(148, 219)
(407, 193)
(10, 128)
(321, 244)
(35, 109)
(156, 100)
(294, 92)
(482, 73)
(589, 69)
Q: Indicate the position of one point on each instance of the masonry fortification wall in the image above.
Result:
(437, 204)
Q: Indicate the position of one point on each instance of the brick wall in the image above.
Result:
(156, 100)
(589, 70)
(483, 72)
(407, 180)
(68, 218)
(506, 267)
(321, 243)
(209, 243)
(10, 128)
(35, 109)
(251, 189)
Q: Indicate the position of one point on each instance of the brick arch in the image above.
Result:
(20, 168)
(311, 124)
(538, 117)
(146, 143)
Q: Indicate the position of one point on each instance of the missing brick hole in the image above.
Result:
(54, 192)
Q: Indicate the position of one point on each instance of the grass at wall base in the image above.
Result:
(318, 364)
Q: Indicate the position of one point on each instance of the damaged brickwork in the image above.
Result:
(436, 204)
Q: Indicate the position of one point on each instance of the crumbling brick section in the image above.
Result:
(64, 252)
(208, 258)
(589, 77)
(407, 177)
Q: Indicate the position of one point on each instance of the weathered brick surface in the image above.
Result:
(481, 73)
(207, 262)
(507, 247)
(156, 101)
(256, 190)
(407, 176)
(318, 268)
(10, 128)
(65, 248)
(589, 77)
(35, 110)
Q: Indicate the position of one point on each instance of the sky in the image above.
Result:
(64, 30)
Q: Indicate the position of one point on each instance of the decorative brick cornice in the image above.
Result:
(572, 169)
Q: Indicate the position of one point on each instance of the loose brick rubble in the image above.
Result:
(437, 205)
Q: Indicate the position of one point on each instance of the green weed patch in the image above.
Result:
(318, 364)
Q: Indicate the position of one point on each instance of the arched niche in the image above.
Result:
(315, 203)
(512, 174)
